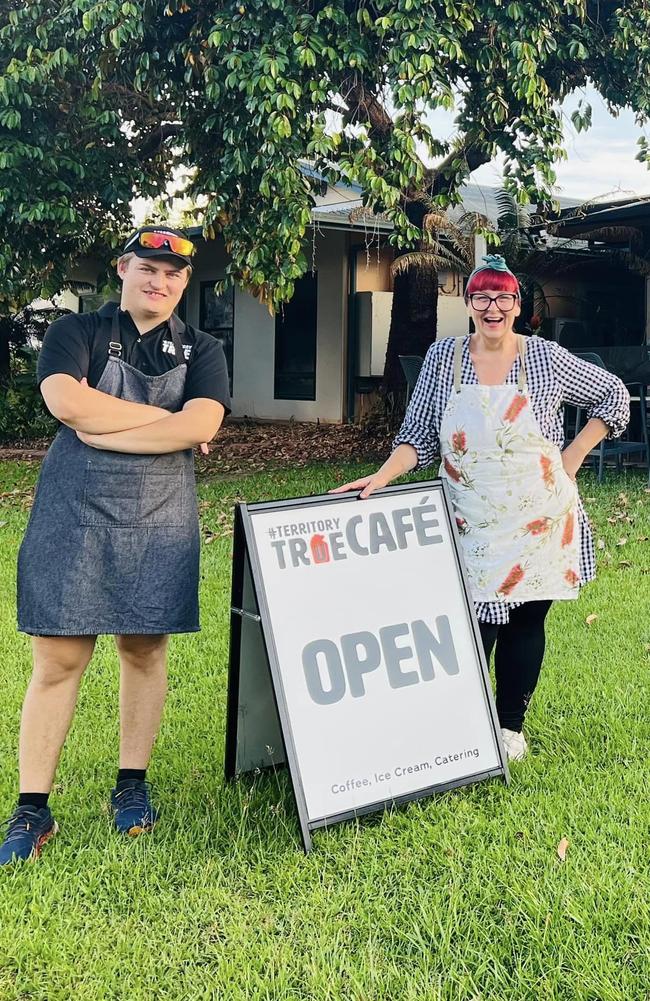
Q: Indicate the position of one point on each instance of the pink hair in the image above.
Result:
(497, 281)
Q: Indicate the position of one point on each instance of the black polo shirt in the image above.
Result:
(77, 345)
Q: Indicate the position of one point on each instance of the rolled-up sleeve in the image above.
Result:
(596, 390)
(419, 428)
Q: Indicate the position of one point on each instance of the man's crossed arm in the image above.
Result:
(106, 422)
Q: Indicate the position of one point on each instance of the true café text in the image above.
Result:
(360, 535)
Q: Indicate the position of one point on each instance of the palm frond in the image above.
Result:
(442, 259)
(512, 215)
(471, 222)
(438, 222)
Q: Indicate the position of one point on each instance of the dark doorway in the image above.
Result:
(295, 343)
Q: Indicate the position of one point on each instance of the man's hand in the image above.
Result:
(81, 408)
(93, 440)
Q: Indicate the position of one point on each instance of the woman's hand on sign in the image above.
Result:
(366, 484)
(401, 461)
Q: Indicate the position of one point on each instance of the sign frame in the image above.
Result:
(246, 556)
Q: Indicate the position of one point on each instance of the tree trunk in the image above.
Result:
(413, 320)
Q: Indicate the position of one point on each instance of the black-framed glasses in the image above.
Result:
(481, 301)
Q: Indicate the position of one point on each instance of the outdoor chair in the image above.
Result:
(619, 448)
(411, 365)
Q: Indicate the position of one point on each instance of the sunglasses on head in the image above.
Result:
(154, 241)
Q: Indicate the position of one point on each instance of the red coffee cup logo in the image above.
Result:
(320, 550)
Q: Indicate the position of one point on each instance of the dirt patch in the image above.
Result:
(251, 447)
(246, 446)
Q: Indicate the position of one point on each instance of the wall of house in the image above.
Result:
(453, 320)
(373, 269)
(254, 335)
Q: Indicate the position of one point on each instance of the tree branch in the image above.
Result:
(366, 106)
(152, 143)
(440, 178)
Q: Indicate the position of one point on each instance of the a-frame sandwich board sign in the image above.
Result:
(355, 654)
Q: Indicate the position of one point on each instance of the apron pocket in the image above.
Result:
(112, 495)
(132, 494)
(161, 500)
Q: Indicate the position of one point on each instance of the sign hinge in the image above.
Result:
(244, 614)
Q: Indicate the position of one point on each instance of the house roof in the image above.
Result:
(348, 213)
(588, 218)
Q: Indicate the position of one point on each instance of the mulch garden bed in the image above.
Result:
(248, 446)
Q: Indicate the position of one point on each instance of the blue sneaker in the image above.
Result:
(28, 829)
(132, 810)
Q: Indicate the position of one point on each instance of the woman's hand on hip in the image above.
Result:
(572, 459)
(366, 484)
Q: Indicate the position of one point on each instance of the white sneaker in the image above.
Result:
(515, 744)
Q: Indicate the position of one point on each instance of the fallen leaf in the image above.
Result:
(601, 543)
(624, 563)
(562, 849)
(622, 542)
(591, 500)
(643, 538)
(589, 621)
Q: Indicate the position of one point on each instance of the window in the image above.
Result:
(89, 301)
(217, 317)
(295, 344)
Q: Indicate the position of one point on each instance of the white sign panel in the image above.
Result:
(375, 648)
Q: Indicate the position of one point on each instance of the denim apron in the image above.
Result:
(112, 544)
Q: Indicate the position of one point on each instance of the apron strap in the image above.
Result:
(115, 343)
(458, 362)
(521, 344)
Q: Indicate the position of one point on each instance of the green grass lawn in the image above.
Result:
(460, 897)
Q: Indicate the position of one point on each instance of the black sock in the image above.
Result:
(36, 799)
(131, 773)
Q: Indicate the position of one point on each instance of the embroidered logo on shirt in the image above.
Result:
(168, 348)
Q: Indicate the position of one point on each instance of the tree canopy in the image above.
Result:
(102, 100)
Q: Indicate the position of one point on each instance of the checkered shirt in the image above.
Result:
(554, 377)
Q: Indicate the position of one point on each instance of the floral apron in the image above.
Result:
(516, 506)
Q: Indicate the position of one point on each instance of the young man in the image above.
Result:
(112, 544)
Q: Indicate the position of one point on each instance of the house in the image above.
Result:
(326, 347)
(604, 294)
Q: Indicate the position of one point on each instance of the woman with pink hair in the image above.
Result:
(491, 405)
